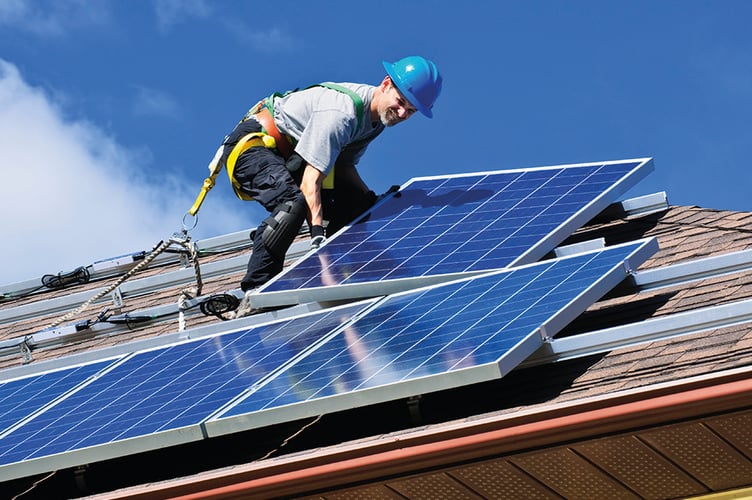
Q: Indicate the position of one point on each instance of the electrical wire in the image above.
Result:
(218, 304)
(214, 305)
(34, 485)
(290, 438)
(128, 320)
(78, 276)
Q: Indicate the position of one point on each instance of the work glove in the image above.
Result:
(393, 189)
(317, 236)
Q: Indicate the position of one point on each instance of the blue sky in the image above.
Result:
(111, 110)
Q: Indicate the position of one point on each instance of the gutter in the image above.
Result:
(448, 444)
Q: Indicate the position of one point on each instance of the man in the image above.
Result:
(296, 154)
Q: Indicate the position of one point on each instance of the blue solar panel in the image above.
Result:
(22, 397)
(168, 388)
(491, 320)
(465, 223)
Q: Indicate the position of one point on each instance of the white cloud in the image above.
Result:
(12, 9)
(154, 103)
(270, 40)
(172, 12)
(72, 195)
(52, 18)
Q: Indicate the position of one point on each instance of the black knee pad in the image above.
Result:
(282, 226)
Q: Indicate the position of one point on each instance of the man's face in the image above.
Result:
(394, 108)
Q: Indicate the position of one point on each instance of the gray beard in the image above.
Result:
(389, 118)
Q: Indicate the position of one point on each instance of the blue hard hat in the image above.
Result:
(417, 79)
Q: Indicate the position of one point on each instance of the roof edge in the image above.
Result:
(445, 444)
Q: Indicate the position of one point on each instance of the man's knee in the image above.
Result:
(283, 225)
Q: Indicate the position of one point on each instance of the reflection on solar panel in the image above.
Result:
(466, 223)
(168, 388)
(22, 397)
(445, 336)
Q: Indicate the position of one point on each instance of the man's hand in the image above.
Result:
(393, 189)
(317, 236)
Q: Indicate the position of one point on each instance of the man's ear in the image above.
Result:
(385, 83)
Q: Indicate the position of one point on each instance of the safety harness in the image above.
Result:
(269, 137)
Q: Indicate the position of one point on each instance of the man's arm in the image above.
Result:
(310, 185)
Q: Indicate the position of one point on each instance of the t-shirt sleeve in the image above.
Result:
(325, 136)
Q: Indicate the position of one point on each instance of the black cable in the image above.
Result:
(53, 281)
(128, 320)
(57, 281)
(78, 276)
(11, 296)
(216, 305)
(177, 250)
(236, 248)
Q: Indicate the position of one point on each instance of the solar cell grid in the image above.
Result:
(22, 397)
(167, 388)
(464, 223)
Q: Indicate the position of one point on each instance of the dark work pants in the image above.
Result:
(262, 174)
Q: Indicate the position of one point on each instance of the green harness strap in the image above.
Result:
(357, 100)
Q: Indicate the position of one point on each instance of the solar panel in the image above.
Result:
(440, 226)
(22, 397)
(448, 335)
(172, 388)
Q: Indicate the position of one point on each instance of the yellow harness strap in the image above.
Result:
(249, 141)
(215, 166)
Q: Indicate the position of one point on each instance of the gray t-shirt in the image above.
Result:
(324, 122)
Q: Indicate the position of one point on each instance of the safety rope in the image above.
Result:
(191, 292)
(184, 296)
(161, 247)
